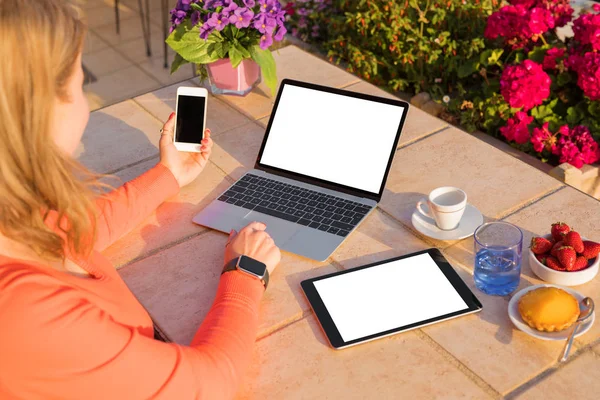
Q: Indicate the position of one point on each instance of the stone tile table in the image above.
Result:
(173, 266)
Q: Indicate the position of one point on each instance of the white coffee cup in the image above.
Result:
(446, 205)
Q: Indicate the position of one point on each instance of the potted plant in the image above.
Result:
(228, 40)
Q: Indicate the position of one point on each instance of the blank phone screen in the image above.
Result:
(190, 119)
(388, 296)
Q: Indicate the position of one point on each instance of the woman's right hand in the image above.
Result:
(254, 242)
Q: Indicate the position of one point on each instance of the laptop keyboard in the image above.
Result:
(295, 204)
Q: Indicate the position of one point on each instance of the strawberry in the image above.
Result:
(541, 258)
(552, 262)
(540, 245)
(567, 256)
(590, 249)
(573, 239)
(580, 263)
(556, 246)
(559, 229)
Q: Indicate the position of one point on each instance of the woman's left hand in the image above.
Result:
(183, 165)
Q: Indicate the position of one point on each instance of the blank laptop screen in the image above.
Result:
(336, 138)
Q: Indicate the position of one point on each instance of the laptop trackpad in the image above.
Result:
(280, 230)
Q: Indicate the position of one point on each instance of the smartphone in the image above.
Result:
(190, 118)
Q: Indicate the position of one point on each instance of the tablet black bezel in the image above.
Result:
(321, 182)
(331, 331)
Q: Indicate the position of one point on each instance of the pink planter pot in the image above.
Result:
(224, 79)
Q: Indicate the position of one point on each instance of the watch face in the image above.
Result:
(252, 266)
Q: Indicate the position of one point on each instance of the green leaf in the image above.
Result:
(245, 53)
(594, 109)
(541, 112)
(538, 53)
(490, 57)
(187, 43)
(265, 60)
(574, 115)
(178, 61)
(235, 56)
(468, 69)
(563, 79)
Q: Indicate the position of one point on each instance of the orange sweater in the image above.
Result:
(68, 337)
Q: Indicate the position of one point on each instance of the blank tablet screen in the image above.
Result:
(388, 296)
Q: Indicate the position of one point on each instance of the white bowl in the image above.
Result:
(565, 278)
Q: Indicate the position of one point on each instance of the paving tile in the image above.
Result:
(294, 63)
(131, 28)
(219, 117)
(495, 183)
(576, 380)
(418, 123)
(172, 221)
(117, 136)
(488, 343)
(377, 238)
(94, 101)
(93, 43)
(103, 62)
(155, 67)
(105, 15)
(296, 363)
(123, 84)
(235, 151)
(135, 49)
(177, 286)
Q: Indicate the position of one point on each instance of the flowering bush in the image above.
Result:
(403, 45)
(549, 89)
(206, 31)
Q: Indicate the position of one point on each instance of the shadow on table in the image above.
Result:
(110, 144)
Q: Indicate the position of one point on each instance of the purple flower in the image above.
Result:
(241, 18)
(212, 4)
(264, 24)
(195, 18)
(177, 16)
(205, 31)
(269, 6)
(266, 40)
(303, 11)
(249, 3)
(217, 21)
(281, 31)
(183, 5)
(231, 6)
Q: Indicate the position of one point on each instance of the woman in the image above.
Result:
(69, 327)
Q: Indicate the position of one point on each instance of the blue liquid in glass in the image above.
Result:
(497, 271)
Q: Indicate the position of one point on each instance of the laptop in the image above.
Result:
(320, 171)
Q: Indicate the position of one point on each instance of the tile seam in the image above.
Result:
(548, 372)
(420, 139)
(510, 212)
(304, 315)
(167, 246)
(449, 357)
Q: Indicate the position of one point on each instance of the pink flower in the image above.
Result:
(575, 60)
(577, 147)
(519, 23)
(551, 56)
(540, 20)
(587, 30)
(517, 128)
(588, 72)
(525, 85)
(542, 139)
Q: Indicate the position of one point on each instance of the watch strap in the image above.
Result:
(232, 266)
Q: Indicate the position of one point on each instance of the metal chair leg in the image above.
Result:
(165, 16)
(145, 25)
(117, 18)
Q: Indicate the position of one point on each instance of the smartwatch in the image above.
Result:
(249, 266)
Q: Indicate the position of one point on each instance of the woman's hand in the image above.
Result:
(254, 242)
(183, 165)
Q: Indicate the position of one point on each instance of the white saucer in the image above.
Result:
(515, 317)
(471, 219)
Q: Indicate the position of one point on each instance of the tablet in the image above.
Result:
(388, 297)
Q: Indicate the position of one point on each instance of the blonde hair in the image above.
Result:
(40, 41)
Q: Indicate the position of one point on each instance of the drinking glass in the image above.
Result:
(498, 248)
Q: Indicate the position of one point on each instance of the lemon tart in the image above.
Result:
(549, 309)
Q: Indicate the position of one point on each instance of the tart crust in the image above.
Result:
(549, 309)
